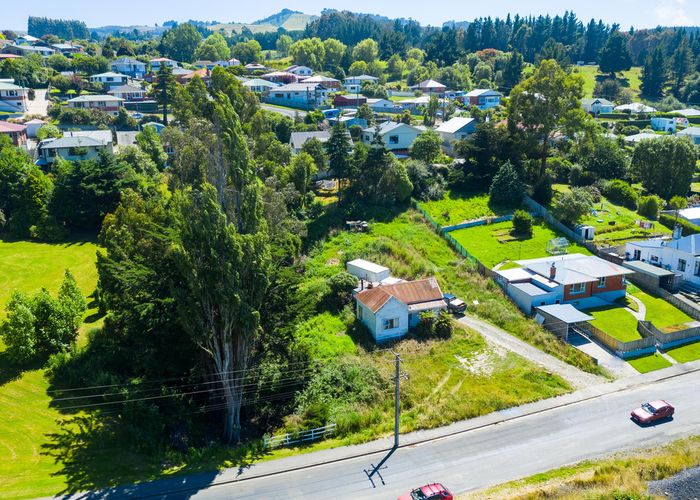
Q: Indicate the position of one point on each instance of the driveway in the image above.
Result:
(288, 112)
(617, 366)
(40, 104)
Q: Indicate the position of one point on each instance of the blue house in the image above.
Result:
(664, 124)
(297, 95)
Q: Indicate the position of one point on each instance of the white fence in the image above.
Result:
(299, 437)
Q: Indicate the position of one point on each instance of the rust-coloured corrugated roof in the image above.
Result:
(408, 292)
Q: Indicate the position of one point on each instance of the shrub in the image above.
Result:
(670, 221)
(570, 207)
(630, 130)
(649, 206)
(435, 325)
(560, 168)
(542, 192)
(340, 287)
(620, 192)
(522, 223)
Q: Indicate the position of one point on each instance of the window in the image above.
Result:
(393, 139)
(697, 268)
(655, 258)
(390, 324)
(577, 288)
(637, 254)
(601, 282)
(359, 313)
(681, 265)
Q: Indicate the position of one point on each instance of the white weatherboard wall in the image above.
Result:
(391, 309)
(668, 258)
(367, 271)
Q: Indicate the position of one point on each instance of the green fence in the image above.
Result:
(445, 235)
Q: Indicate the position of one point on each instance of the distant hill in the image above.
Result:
(290, 20)
(456, 24)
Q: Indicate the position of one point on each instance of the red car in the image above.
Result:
(434, 491)
(653, 412)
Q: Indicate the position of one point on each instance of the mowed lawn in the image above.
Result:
(616, 321)
(24, 403)
(650, 363)
(494, 243)
(685, 353)
(456, 207)
(662, 314)
(628, 79)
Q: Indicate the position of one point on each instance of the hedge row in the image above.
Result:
(670, 220)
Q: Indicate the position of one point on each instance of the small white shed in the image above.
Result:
(366, 270)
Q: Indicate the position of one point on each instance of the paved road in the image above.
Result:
(291, 113)
(578, 378)
(583, 425)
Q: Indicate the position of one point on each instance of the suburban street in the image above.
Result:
(482, 452)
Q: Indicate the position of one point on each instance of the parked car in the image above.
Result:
(434, 491)
(653, 412)
(454, 305)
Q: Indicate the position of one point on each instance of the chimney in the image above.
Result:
(552, 271)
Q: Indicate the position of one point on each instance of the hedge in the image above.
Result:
(670, 220)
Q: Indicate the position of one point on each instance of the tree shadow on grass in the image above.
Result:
(10, 370)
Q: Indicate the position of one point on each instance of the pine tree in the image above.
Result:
(654, 75)
(681, 64)
(165, 89)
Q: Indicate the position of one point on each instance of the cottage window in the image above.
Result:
(697, 268)
(393, 139)
(601, 282)
(577, 288)
(681, 265)
(655, 258)
(390, 324)
(637, 254)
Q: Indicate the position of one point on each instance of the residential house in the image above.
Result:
(456, 129)
(160, 61)
(298, 139)
(297, 95)
(16, 132)
(663, 124)
(33, 126)
(583, 281)
(300, 71)
(27, 40)
(430, 87)
(129, 93)
(103, 136)
(326, 81)
(642, 136)
(680, 255)
(417, 104)
(210, 65)
(67, 49)
(282, 77)
(202, 73)
(350, 120)
(107, 103)
(692, 215)
(597, 105)
(389, 311)
(483, 98)
(13, 98)
(688, 112)
(126, 138)
(398, 137)
(110, 79)
(69, 148)
(353, 84)
(258, 85)
(4, 57)
(156, 125)
(26, 50)
(129, 66)
(635, 108)
(383, 106)
(349, 100)
(692, 132)
(253, 67)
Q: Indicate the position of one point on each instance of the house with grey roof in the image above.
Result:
(679, 255)
(456, 129)
(70, 148)
(13, 98)
(597, 105)
(692, 132)
(258, 85)
(398, 137)
(106, 103)
(304, 96)
(130, 93)
(129, 66)
(298, 139)
(110, 79)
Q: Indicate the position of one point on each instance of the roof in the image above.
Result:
(161, 59)
(480, 92)
(129, 60)
(9, 86)
(407, 292)
(103, 136)
(125, 88)
(529, 289)
(35, 121)
(636, 107)
(690, 131)
(95, 98)
(109, 74)
(690, 213)
(574, 268)
(646, 268)
(565, 312)
(259, 82)
(688, 244)
(653, 243)
(367, 266)
(298, 87)
(642, 136)
(320, 79)
(429, 84)
(454, 124)
(298, 139)
(126, 137)
(591, 100)
(515, 274)
(7, 127)
(71, 142)
(387, 127)
(362, 77)
(687, 112)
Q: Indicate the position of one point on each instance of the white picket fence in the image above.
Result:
(299, 437)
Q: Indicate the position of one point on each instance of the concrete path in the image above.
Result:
(615, 365)
(667, 357)
(40, 104)
(641, 314)
(577, 378)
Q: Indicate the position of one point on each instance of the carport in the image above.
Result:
(652, 277)
(559, 318)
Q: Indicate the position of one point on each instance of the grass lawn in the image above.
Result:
(615, 321)
(685, 353)
(493, 243)
(456, 207)
(661, 313)
(628, 79)
(624, 229)
(649, 363)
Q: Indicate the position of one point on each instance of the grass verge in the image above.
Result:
(685, 353)
(646, 364)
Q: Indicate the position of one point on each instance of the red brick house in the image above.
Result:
(16, 132)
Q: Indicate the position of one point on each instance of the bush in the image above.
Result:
(649, 206)
(522, 223)
(570, 207)
(670, 221)
(340, 287)
(542, 193)
(435, 325)
(620, 192)
(507, 188)
(560, 168)
(629, 130)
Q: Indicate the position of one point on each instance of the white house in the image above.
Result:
(129, 66)
(107, 103)
(297, 95)
(69, 148)
(33, 126)
(681, 255)
(110, 79)
(129, 93)
(367, 271)
(13, 97)
(483, 98)
(299, 70)
(635, 107)
(692, 215)
(663, 124)
(326, 81)
(692, 132)
(353, 84)
(456, 129)
(26, 50)
(258, 85)
(430, 87)
(398, 137)
(383, 106)
(160, 61)
(389, 311)
(597, 105)
(687, 112)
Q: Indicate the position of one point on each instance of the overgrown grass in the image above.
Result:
(649, 363)
(494, 243)
(456, 207)
(325, 336)
(615, 321)
(624, 476)
(685, 353)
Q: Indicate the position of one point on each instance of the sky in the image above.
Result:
(637, 13)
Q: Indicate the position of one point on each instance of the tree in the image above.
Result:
(149, 142)
(513, 70)
(367, 50)
(165, 89)
(545, 103)
(608, 89)
(339, 148)
(214, 48)
(430, 112)
(615, 56)
(507, 188)
(308, 52)
(426, 147)
(181, 42)
(18, 329)
(394, 184)
(522, 223)
(681, 64)
(302, 170)
(48, 131)
(571, 206)
(365, 112)
(317, 151)
(282, 45)
(654, 75)
(247, 52)
(620, 192)
(678, 157)
(607, 160)
(396, 67)
(335, 50)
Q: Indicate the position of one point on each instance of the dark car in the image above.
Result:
(652, 412)
(454, 305)
(434, 491)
